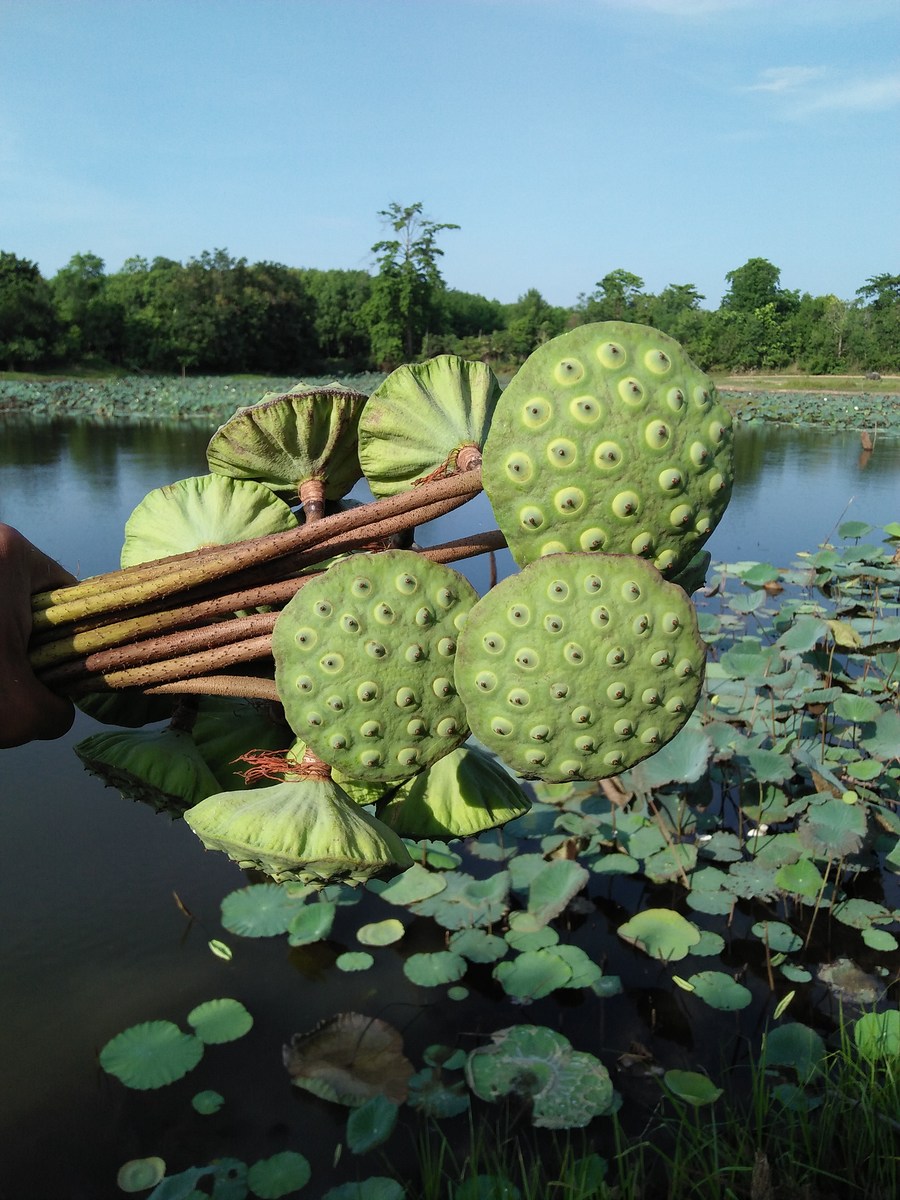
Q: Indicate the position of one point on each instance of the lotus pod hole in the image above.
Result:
(418, 420)
(204, 510)
(303, 829)
(609, 439)
(580, 666)
(364, 660)
(291, 437)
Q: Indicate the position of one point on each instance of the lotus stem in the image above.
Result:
(245, 687)
(183, 667)
(113, 592)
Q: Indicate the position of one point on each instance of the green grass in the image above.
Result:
(888, 385)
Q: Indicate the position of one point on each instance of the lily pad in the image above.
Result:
(692, 1087)
(720, 991)
(661, 933)
(151, 1055)
(380, 933)
(218, 1021)
(533, 974)
(566, 1088)
(796, 1046)
(877, 1035)
(140, 1174)
(260, 910)
(348, 1059)
(283, 1173)
(371, 1124)
(431, 970)
(207, 1102)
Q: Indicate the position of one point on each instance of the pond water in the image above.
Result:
(92, 939)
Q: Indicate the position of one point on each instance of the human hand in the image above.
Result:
(28, 710)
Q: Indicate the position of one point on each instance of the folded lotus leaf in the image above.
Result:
(162, 768)
(289, 438)
(464, 793)
(609, 439)
(126, 707)
(418, 420)
(204, 510)
(364, 663)
(580, 666)
(304, 828)
(226, 728)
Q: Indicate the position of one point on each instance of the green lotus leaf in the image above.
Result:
(151, 1055)
(431, 1094)
(217, 1021)
(140, 1174)
(609, 439)
(376, 1187)
(477, 945)
(877, 1035)
(553, 887)
(354, 960)
(304, 829)
(364, 663)
(413, 886)
(525, 933)
(801, 879)
(433, 969)
(466, 902)
(661, 933)
(585, 972)
(162, 768)
(418, 420)
(207, 1102)
(283, 1173)
(380, 933)
(126, 707)
(288, 439)
(833, 829)
(371, 1124)
(261, 910)
(796, 1046)
(720, 991)
(312, 923)
(692, 1087)
(348, 1059)
(580, 666)
(566, 1088)
(533, 974)
(227, 728)
(682, 760)
(464, 793)
(778, 936)
(205, 510)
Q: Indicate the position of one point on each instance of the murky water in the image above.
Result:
(91, 937)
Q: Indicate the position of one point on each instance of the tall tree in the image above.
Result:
(402, 307)
(29, 326)
(93, 320)
(618, 296)
(756, 284)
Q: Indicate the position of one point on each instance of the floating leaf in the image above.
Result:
(796, 1046)
(220, 949)
(477, 945)
(800, 879)
(376, 1187)
(431, 970)
(414, 885)
(348, 1059)
(661, 933)
(354, 960)
(371, 1124)
(692, 1087)
(207, 1102)
(719, 990)
(877, 1035)
(467, 902)
(553, 887)
(219, 1021)
(261, 910)
(140, 1174)
(380, 933)
(566, 1088)
(279, 1175)
(856, 708)
(430, 1093)
(151, 1055)
(533, 974)
(312, 923)
(778, 936)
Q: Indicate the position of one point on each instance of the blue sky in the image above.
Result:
(567, 138)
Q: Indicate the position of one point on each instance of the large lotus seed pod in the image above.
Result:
(364, 663)
(205, 510)
(423, 419)
(292, 439)
(610, 439)
(304, 828)
(160, 767)
(464, 793)
(580, 666)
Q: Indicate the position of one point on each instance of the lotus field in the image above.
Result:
(623, 786)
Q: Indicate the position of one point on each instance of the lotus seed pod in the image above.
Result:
(417, 422)
(162, 768)
(304, 829)
(464, 793)
(580, 666)
(205, 510)
(609, 439)
(286, 440)
(364, 659)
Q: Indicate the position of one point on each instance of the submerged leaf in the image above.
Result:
(348, 1059)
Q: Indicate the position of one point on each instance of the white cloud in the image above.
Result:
(785, 79)
(805, 91)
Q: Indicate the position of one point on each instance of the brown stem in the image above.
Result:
(312, 497)
(241, 686)
(184, 667)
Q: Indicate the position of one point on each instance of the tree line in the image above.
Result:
(219, 314)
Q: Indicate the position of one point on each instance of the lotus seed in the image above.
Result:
(323, 608)
(405, 697)
(681, 514)
(553, 624)
(569, 371)
(613, 759)
(650, 736)
(675, 705)
(670, 480)
(684, 668)
(657, 361)
(663, 562)
(660, 658)
(641, 625)
(570, 768)
(701, 397)
(675, 399)
(642, 544)
(716, 483)
(586, 410)
(569, 501)
(417, 728)
(424, 617)
(336, 703)
(553, 547)
(559, 691)
(607, 455)
(574, 654)
(332, 663)
(367, 691)
(314, 718)
(384, 614)
(338, 741)
(626, 505)
(304, 683)
(446, 597)
(447, 727)
(306, 638)
(558, 590)
(408, 757)
(631, 391)
(485, 681)
(612, 355)
(370, 759)
(562, 452)
(375, 649)
(527, 658)
(519, 468)
(361, 587)
(650, 697)
(592, 539)
(657, 435)
(540, 733)
(699, 454)
(600, 616)
(442, 686)
(702, 525)
(349, 623)
(623, 729)
(531, 517)
(370, 729)
(671, 622)
(446, 647)
(537, 758)
(631, 591)
(617, 656)
(519, 697)
(519, 615)
(406, 584)
(537, 413)
(501, 727)
(494, 643)
(617, 693)
(585, 744)
(593, 584)
(414, 653)
(582, 715)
